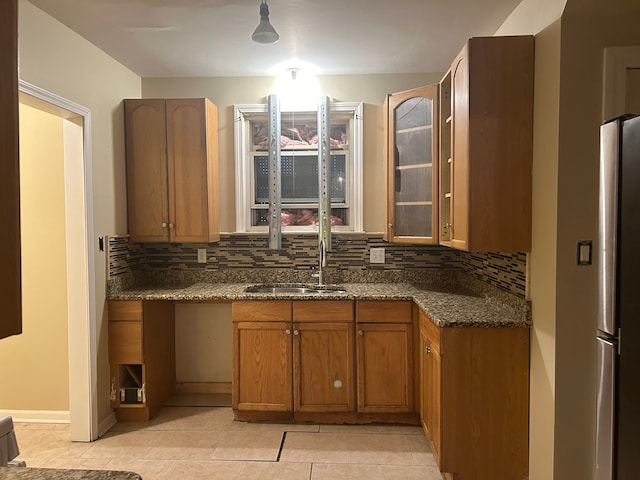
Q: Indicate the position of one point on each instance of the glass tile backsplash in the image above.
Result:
(350, 253)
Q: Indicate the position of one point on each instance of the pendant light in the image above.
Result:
(264, 32)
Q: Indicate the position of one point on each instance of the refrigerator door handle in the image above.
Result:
(608, 225)
(605, 408)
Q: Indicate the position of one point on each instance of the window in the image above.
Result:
(299, 168)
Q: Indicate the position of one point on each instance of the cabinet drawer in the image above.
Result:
(383, 311)
(323, 311)
(431, 331)
(125, 310)
(125, 342)
(261, 310)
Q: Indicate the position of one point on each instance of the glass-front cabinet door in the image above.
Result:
(412, 187)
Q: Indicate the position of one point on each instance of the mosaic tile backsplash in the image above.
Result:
(236, 256)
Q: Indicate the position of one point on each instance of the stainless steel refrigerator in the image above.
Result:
(618, 335)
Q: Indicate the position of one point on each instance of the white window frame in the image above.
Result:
(242, 114)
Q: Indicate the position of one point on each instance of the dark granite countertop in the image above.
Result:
(447, 308)
(28, 473)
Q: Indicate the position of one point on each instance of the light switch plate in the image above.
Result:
(376, 255)
(585, 252)
(202, 255)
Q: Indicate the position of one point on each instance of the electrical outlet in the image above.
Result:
(376, 255)
(202, 255)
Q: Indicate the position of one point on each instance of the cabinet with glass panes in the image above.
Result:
(299, 168)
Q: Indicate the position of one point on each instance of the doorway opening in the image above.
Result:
(79, 262)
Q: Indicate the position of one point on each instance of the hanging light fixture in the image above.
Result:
(264, 32)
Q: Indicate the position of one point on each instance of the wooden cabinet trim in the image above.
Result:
(125, 310)
(10, 283)
(384, 311)
(125, 343)
(323, 311)
(261, 310)
(431, 331)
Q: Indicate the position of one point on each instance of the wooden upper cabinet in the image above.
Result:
(486, 149)
(172, 170)
(10, 284)
(411, 173)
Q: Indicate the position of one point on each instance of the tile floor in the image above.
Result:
(206, 443)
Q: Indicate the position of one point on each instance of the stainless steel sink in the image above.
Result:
(294, 289)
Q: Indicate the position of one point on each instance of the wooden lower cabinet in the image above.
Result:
(293, 360)
(475, 399)
(141, 357)
(431, 384)
(262, 375)
(385, 359)
(323, 367)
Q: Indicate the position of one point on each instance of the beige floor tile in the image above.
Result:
(202, 470)
(275, 471)
(373, 472)
(382, 429)
(72, 463)
(205, 443)
(183, 445)
(314, 447)
(269, 427)
(48, 443)
(328, 471)
(192, 418)
(248, 446)
(360, 448)
(148, 469)
(410, 472)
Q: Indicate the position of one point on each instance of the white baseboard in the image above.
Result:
(106, 424)
(38, 416)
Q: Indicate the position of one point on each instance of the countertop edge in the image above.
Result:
(445, 309)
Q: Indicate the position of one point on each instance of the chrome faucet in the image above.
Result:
(322, 263)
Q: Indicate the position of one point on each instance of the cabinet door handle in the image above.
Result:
(295, 332)
(288, 331)
(360, 332)
(389, 225)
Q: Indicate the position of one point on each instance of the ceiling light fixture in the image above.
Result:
(264, 32)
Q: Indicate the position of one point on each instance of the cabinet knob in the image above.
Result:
(171, 225)
(164, 224)
(288, 331)
(360, 332)
(296, 332)
(427, 349)
(389, 225)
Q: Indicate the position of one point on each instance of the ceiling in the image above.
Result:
(176, 38)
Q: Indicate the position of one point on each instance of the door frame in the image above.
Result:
(81, 302)
(616, 62)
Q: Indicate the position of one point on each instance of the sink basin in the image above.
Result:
(293, 289)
